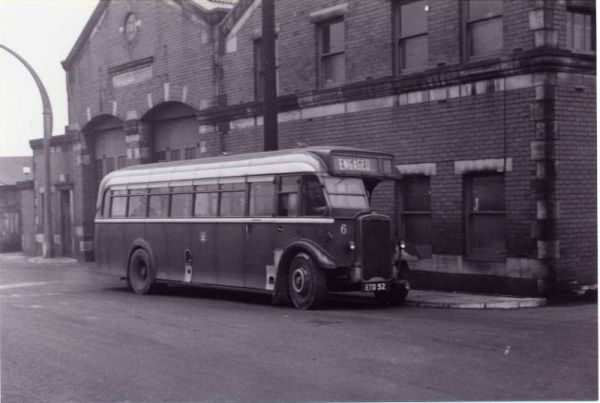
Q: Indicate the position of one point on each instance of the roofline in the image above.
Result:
(85, 33)
(54, 140)
(97, 14)
(228, 22)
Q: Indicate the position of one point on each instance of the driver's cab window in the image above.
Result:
(313, 199)
(288, 203)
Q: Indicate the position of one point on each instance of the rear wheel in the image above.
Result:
(140, 272)
(395, 296)
(307, 283)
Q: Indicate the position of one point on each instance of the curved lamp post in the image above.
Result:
(47, 245)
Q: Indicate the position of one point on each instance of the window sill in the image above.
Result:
(330, 86)
(478, 61)
(480, 257)
(414, 70)
(582, 52)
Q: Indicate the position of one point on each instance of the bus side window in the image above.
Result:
(313, 200)
(181, 201)
(287, 196)
(137, 203)
(207, 201)
(261, 199)
(106, 203)
(232, 200)
(118, 203)
(158, 203)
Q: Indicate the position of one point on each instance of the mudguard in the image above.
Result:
(321, 257)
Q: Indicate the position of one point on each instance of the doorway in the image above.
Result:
(66, 238)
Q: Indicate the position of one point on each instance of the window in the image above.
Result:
(206, 201)
(110, 165)
(160, 156)
(121, 162)
(158, 204)
(287, 196)
(190, 153)
(262, 198)
(332, 59)
(416, 212)
(232, 200)
(347, 193)
(130, 28)
(581, 30)
(314, 203)
(106, 203)
(118, 203)
(175, 155)
(484, 27)
(485, 214)
(137, 203)
(258, 69)
(413, 45)
(181, 201)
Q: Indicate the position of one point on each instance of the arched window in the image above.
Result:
(130, 29)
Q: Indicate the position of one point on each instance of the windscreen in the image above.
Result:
(347, 193)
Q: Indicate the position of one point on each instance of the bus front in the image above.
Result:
(362, 238)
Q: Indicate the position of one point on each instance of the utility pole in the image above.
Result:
(48, 244)
(270, 135)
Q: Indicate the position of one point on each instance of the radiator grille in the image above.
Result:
(376, 248)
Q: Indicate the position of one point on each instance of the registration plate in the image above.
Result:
(375, 286)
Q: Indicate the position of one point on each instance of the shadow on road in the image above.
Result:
(334, 301)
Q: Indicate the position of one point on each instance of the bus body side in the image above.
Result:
(314, 216)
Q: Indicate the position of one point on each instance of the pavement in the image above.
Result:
(461, 300)
(457, 300)
(416, 298)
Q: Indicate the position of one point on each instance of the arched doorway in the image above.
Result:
(174, 132)
(105, 139)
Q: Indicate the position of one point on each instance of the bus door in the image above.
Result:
(229, 233)
(179, 240)
(203, 235)
(259, 233)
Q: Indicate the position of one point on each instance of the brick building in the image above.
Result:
(16, 196)
(488, 106)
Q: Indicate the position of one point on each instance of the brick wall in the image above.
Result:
(179, 42)
(369, 42)
(440, 133)
(576, 149)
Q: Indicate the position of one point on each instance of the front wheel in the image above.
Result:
(307, 283)
(395, 296)
(140, 272)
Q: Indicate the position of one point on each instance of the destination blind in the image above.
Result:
(355, 165)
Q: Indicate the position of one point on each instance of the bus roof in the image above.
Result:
(300, 160)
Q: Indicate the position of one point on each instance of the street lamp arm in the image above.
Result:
(48, 247)
(45, 99)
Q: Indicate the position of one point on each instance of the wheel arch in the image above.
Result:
(139, 243)
(321, 258)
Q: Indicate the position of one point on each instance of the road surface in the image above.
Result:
(70, 334)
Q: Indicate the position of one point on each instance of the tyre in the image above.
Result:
(395, 296)
(140, 273)
(307, 283)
